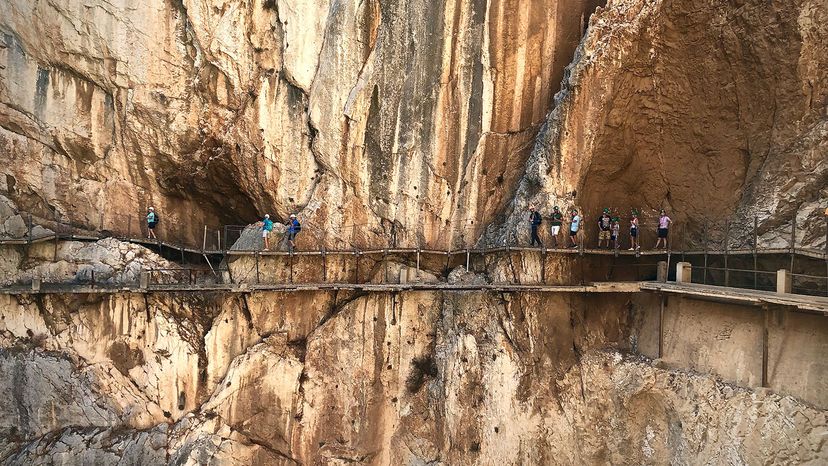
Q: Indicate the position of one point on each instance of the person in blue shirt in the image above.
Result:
(267, 229)
(294, 227)
(152, 222)
(574, 226)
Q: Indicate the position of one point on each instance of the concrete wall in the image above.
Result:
(726, 340)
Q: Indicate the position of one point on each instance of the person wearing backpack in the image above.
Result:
(267, 229)
(152, 222)
(294, 227)
(535, 220)
(604, 228)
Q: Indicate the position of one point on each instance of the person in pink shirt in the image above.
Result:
(663, 228)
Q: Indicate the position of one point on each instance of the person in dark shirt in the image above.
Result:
(604, 227)
(294, 227)
(555, 221)
(535, 220)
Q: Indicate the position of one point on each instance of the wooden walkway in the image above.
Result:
(173, 247)
(600, 287)
(742, 296)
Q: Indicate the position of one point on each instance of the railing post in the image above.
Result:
(468, 259)
(704, 241)
(384, 265)
(30, 228)
(766, 317)
(204, 240)
(324, 265)
(793, 245)
(225, 238)
(356, 271)
(418, 264)
(755, 248)
(661, 326)
(218, 239)
(726, 248)
(129, 226)
(256, 254)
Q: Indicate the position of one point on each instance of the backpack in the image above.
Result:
(297, 227)
(157, 218)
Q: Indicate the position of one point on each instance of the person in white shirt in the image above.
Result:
(574, 226)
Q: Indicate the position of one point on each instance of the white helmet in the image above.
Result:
(152, 208)
(292, 215)
(267, 215)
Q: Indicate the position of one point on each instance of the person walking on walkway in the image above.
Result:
(574, 226)
(616, 229)
(152, 222)
(556, 220)
(267, 230)
(634, 232)
(663, 228)
(294, 227)
(535, 221)
(604, 227)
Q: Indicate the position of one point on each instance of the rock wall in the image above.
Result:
(711, 110)
(383, 378)
(362, 115)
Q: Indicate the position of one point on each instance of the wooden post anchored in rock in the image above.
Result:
(290, 256)
(30, 228)
(129, 226)
(218, 240)
(417, 275)
(468, 259)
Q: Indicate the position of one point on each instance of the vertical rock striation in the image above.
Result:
(362, 115)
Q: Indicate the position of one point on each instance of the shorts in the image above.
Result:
(614, 237)
(265, 233)
(555, 229)
(633, 232)
(602, 235)
(662, 232)
(291, 235)
(573, 232)
(152, 225)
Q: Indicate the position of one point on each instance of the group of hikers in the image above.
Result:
(609, 228)
(266, 224)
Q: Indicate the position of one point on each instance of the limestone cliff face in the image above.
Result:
(386, 378)
(359, 114)
(707, 109)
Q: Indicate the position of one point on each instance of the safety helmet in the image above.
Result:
(152, 208)
(267, 215)
(292, 215)
(556, 208)
(606, 210)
